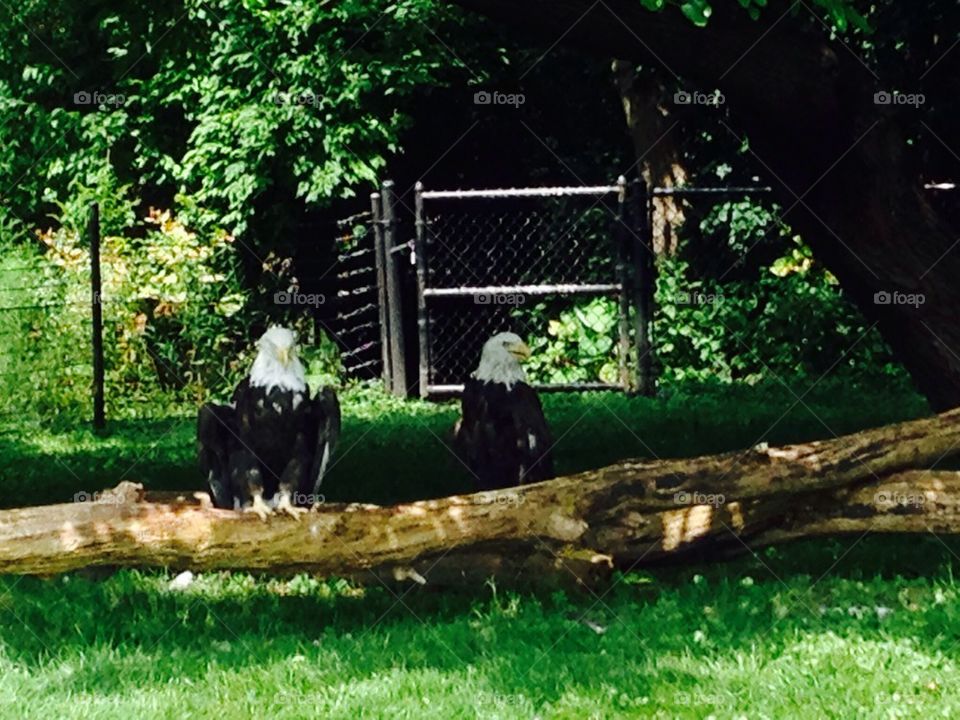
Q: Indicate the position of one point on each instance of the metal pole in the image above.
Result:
(96, 307)
(381, 268)
(644, 287)
(622, 237)
(422, 328)
(398, 370)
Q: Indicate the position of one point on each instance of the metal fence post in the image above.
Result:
(644, 286)
(422, 328)
(381, 267)
(398, 371)
(96, 308)
(623, 276)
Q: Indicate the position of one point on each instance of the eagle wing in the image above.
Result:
(533, 440)
(216, 428)
(325, 412)
(469, 443)
(502, 436)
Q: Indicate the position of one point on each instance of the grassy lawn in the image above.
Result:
(395, 450)
(848, 628)
(754, 638)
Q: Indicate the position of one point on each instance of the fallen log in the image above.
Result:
(581, 526)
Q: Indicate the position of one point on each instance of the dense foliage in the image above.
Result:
(168, 310)
(742, 300)
(176, 321)
(228, 104)
(792, 321)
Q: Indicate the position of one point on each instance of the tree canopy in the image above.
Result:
(228, 104)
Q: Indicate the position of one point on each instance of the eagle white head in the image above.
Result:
(277, 364)
(501, 358)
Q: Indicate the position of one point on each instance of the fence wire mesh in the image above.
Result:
(359, 310)
(574, 340)
(549, 266)
(34, 301)
(520, 241)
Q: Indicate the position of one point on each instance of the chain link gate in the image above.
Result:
(560, 266)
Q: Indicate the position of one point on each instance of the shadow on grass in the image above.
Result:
(131, 605)
(393, 451)
(665, 630)
(128, 630)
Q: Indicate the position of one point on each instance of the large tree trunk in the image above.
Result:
(576, 527)
(653, 133)
(845, 169)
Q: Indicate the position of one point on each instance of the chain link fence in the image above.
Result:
(360, 306)
(553, 265)
(34, 300)
(162, 323)
(418, 291)
(570, 269)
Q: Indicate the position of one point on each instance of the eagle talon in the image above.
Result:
(259, 508)
(285, 507)
(294, 512)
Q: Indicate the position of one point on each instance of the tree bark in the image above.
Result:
(578, 527)
(652, 129)
(845, 169)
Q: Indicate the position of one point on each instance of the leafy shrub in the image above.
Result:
(300, 100)
(580, 345)
(172, 308)
(793, 321)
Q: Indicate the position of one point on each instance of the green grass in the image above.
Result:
(848, 628)
(730, 639)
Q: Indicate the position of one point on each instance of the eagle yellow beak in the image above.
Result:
(521, 351)
(283, 355)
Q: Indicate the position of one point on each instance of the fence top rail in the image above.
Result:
(557, 289)
(520, 192)
(694, 190)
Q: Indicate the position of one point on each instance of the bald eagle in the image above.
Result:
(270, 449)
(502, 436)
